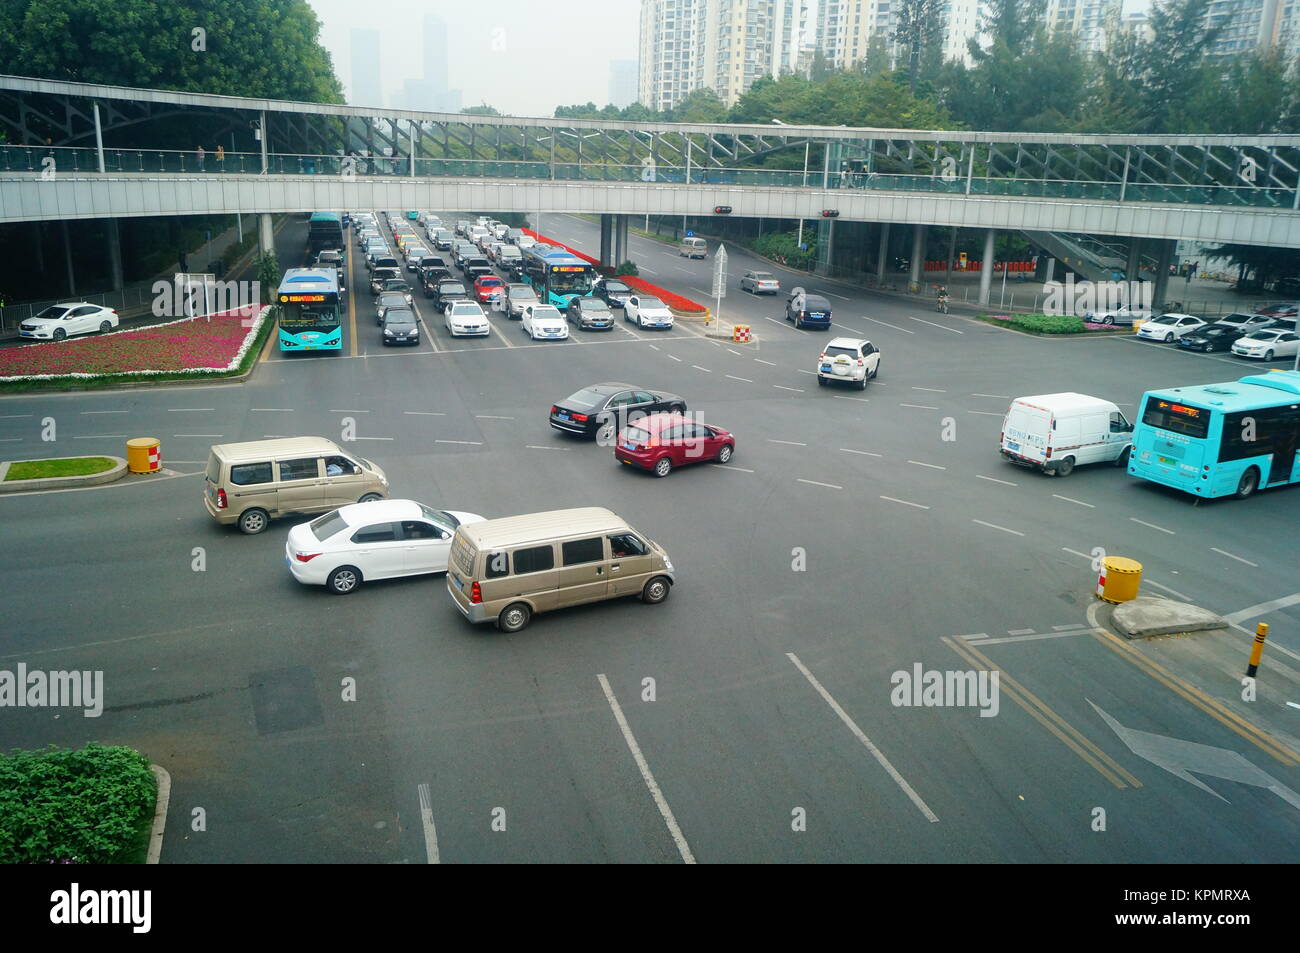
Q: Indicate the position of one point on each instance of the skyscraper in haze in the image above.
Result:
(436, 51)
(365, 87)
(622, 82)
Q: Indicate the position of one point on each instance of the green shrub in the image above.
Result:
(627, 268)
(1039, 323)
(88, 806)
(783, 247)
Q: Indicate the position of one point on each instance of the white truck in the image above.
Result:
(1055, 432)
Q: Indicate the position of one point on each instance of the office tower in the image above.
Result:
(622, 82)
(366, 90)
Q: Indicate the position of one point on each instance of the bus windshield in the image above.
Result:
(1176, 418)
(571, 282)
(316, 316)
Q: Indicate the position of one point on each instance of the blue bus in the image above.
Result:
(556, 274)
(1221, 439)
(324, 231)
(310, 308)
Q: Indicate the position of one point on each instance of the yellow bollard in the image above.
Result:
(1119, 580)
(1257, 650)
(144, 455)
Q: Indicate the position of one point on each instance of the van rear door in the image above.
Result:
(1025, 431)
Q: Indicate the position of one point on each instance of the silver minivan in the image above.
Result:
(693, 248)
(508, 570)
(251, 483)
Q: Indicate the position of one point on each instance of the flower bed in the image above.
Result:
(1047, 323)
(204, 346)
(675, 302)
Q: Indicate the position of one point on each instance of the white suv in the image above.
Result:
(848, 359)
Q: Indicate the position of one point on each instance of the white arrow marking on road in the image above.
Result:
(1180, 758)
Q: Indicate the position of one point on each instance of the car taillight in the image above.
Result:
(1049, 453)
(475, 593)
(305, 557)
(555, 409)
(652, 443)
(580, 418)
(221, 500)
(822, 358)
(860, 362)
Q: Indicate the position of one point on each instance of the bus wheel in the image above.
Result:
(1248, 483)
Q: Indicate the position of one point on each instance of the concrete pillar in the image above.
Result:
(986, 267)
(1133, 266)
(265, 234)
(67, 255)
(114, 253)
(607, 240)
(1049, 273)
(39, 245)
(825, 249)
(952, 252)
(882, 256)
(918, 252)
(624, 251)
(1164, 257)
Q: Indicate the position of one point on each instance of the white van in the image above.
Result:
(693, 248)
(1054, 432)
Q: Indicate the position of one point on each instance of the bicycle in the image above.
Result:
(942, 306)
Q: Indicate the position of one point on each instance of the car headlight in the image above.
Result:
(668, 564)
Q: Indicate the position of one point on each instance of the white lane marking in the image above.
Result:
(888, 325)
(905, 502)
(728, 466)
(737, 353)
(100, 436)
(863, 400)
(491, 417)
(802, 371)
(735, 378)
(919, 406)
(335, 411)
(1068, 628)
(932, 466)
(841, 297)
(424, 413)
(933, 390)
(707, 294)
(985, 413)
(18, 416)
(1262, 608)
(189, 410)
(865, 453)
(1035, 637)
(933, 325)
(1172, 592)
(1152, 526)
(11, 440)
(646, 775)
(654, 347)
(994, 396)
(1072, 500)
(787, 442)
(374, 438)
(974, 636)
(1020, 631)
(829, 486)
(426, 819)
(797, 390)
(473, 443)
(88, 412)
(788, 325)
(1013, 532)
(758, 359)
(677, 359)
(862, 737)
(1075, 552)
(270, 410)
(1224, 552)
(704, 369)
(979, 476)
(531, 446)
(195, 435)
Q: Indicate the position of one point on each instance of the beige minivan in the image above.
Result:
(693, 248)
(507, 570)
(250, 483)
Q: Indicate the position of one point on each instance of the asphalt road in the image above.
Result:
(771, 696)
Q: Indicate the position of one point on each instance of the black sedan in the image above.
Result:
(430, 277)
(602, 410)
(1212, 337)
(448, 291)
(614, 293)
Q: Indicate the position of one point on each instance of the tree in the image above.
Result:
(1173, 64)
(700, 105)
(879, 57)
(255, 48)
(921, 26)
(483, 109)
(1263, 263)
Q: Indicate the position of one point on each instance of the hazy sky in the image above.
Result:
(525, 58)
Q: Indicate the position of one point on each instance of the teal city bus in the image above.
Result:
(324, 231)
(310, 309)
(1221, 439)
(557, 275)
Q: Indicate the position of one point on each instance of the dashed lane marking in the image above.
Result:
(675, 358)
(704, 369)
(1172, 592)
(1013, 532)
(985, 413)
(865, 453)
(932, 466)
(933, 390)
(994, 396)
(424, 413)
(790, 443)
(863, 400)
(888, 325)
(1224, 552)
(728, 466)
(1019, 631)
(190, 410)
(797, 390)
(335, 411)
(491, 417)
(891, 499)
(829, 486)
(471, 443)
(735, 378)
(933, 325)
(531, 446)
(1134, 519)
(1075, 552)
(919, 406)
(1072, 500)
(426, 820)
(88, 412)
(195, 435)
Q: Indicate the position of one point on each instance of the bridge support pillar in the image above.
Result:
(67, 255)
(620, 239)
(986, 267)
(882, 255)
(607, 240)
(918, 253)
(265, 234)
(825, 246)
(1163, 259)
(114, 253)
(1133, 266)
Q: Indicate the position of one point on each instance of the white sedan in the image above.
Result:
(379, 540)
(647, 312)
(1169, 327)
(544, 321)
(466, 317)
(1267, 343)
(59, 321)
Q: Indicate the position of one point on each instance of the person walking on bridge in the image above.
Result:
(199, 154)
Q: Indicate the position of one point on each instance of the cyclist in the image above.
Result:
(943, 299)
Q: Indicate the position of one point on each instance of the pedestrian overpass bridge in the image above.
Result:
(77, 150)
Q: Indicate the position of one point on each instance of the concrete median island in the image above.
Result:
(58, 473)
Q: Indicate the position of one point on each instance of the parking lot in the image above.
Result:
(854, 534)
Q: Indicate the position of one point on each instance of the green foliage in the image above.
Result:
(700, 105)
(783, 247)
(1039, 323)
(86, 806)
(627, 268)
(266, 266)
(483, 109)
(257, 48)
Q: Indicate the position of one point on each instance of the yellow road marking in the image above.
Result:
(1070, 736)
(1225, 716)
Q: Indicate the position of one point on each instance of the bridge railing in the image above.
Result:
(53, 160)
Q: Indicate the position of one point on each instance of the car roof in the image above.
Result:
(1068, 400)
(657, 423)
(75, 304)
(359, 514)
(274, 447)
(847, 342)
(539, 527)
(607, 388)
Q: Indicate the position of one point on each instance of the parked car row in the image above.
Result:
(1256, 336)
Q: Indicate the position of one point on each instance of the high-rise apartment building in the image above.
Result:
(365, 89)
(1086, 19)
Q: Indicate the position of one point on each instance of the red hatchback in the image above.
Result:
(662, 441)
(487, 288)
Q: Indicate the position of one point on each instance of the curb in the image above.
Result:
(159, 812)
(111, 475)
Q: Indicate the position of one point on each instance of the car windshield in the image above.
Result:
(451, 288)
(399, 316)
(545, 311)
(591, 304)
(761, 276)
(441, 517)
(637, 434)
(616, 286)
(584, 398)
(1215, 332)
(490, 282)
(323, 527)
(465, 308)
(396, 284)
(1262, 335)
(522, 293)
(389, 300)
(1166, 320)
(54, 313)
(649, 303)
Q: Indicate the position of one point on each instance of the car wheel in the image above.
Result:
(1248, 483)
(60, 334)
(1066, 467)
(724, 455)
(821, 381)
(677, 409)
(343, 580)
(875, 371)
(105, 326)
(514, 617)
(862, 384)
(1268, 355)
(1169, 337)
(655, 590)
(370, 498)
(253, 521)
(1122, 460)
(663, 467)
(1109, 319)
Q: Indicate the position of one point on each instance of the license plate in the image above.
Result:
(826, 367)
(1012, 446)
(457, 580)
(563, 416)
(629, 446)
(288, 562)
